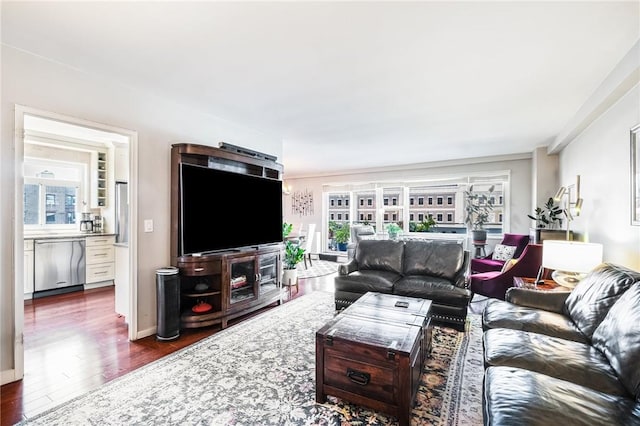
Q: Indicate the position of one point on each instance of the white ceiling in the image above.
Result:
(350, 84)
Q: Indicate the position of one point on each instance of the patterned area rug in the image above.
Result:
(262, 372)
(318, 269)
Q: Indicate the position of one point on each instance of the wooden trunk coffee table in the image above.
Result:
(369, 356)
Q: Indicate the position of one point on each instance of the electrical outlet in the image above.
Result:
(148, 225)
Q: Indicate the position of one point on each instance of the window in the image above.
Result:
(411, 201)
(394, 201)
(346, 202)
(440, 201)
(339, 203)
(449, 217)
(346, 216)
(439, 217)
(386, 217)
(361, 202)
(339, 216)
(369, 217)
(385, 201)
(411, 217)
(430, 201)
(369, 201)
(48, 202)
(394, 217)
(421, 201)
(332, 217)
(449, 200)
(361, 217)
(332, 202)
(420, 217)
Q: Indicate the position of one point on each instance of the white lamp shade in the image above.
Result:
(571, 256)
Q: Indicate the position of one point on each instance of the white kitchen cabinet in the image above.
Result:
(100, 261)
(28, 269)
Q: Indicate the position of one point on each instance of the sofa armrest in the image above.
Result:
(462, 277)
(552, 301)
(347, 268)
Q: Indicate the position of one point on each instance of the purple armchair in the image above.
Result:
(496, 283)
(488, 264)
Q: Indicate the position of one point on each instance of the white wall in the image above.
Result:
(601, 156)
(34, 82)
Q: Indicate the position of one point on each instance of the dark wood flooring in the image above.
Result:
(75, 342)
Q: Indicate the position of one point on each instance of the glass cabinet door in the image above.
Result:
(242, 279)
(268, 273)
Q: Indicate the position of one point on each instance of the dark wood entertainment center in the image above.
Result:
(232, 282)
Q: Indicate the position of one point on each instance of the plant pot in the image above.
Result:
(538, 235)
(479, 236)
(342, 246)
(289, 277)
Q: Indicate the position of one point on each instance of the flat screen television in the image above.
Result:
(222, 210)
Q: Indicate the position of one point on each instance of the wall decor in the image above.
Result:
(302, 202)
(635, 175)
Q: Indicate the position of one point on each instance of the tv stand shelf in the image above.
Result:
(261, 267)
(238, 280)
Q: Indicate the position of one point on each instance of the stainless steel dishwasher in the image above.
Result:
(60, 266)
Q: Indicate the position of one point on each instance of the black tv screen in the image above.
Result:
(222, 210)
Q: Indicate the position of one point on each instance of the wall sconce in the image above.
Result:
(286, 189)
(571, 208)
(570, 260)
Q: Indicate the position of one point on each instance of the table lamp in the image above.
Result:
(570, 260)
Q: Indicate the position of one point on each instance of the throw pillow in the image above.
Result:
(508, 265)
(502, 252)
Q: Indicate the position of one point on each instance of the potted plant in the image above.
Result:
(393, 229)
(426, 225)
(293, 254)
(548, 220)
(477, 208)
(341, 236)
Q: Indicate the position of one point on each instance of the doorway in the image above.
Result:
(45, 128)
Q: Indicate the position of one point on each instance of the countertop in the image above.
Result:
(50, 236)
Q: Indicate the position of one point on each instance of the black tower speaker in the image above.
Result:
(168, 297)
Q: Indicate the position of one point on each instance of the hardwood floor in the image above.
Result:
(75, 342)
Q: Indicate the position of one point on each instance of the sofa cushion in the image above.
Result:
(513, 396)
(503, 252)
(367, 280)
(501, 314)
(438, 259)
(618, 337)
(590, 301)
(381, 255)
(576, 362)
(433, 288)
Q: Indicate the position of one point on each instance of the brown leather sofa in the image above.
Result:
(435, 270)
(565, 358)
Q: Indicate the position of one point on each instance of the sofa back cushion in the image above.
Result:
(435, 258)
(590, 301)
(618, 337)
(385, 255)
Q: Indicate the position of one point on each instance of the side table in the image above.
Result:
(480, 251)
(547, 285)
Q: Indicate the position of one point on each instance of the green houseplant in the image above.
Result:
(341, 236)
(478, 205)
(425, 226)
(293, 254)
(393, 229)
(548, 215)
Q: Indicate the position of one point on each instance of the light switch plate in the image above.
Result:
(148, 225)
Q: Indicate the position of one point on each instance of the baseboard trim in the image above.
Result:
(146, 332)
(7, 376)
